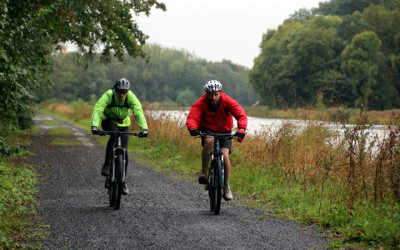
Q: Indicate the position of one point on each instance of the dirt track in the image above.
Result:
(161, 212)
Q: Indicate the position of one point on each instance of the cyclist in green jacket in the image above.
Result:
(113, 110)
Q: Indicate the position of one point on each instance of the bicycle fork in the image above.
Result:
(211, 170)
(116, 151)
(120, 150)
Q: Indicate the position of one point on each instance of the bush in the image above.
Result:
(25, 120)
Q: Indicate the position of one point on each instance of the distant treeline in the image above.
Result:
(346, 52)
(170, 76)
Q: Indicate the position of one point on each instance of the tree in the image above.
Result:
(32, 30)
(351, 25)
(186, 98)
(359, 62)
(344, 7)
(162, 79)
(298, 61)
(301, 14)
(385, 23)
(268, 77)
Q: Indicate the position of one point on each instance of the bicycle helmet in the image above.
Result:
(122, 83)
(213, 86)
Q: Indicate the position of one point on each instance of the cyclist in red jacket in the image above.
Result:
(213, 112)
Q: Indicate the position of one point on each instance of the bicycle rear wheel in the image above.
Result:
(119, 168)
(216, 186)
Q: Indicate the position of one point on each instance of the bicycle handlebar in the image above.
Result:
(218, 135)
(104, 133)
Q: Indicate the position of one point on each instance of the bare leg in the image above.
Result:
(208, 142)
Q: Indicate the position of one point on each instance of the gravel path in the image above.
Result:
(160, 213)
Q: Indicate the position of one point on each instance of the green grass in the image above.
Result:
(18, 187)
(19, 227)
(82, 123)
(61, 131)
(49, 122)
(65, 142)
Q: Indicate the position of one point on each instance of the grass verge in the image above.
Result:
(19, 226)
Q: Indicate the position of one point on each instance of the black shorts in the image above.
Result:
(223, 143)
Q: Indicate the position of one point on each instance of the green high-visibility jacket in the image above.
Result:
(118, 112)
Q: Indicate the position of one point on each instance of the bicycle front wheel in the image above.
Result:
(111, 191)
(211, 189)
(216, 183)
(119, 168)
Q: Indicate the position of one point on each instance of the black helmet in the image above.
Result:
(122, 83)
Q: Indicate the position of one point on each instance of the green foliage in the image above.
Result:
(65, 142)
(344, 7)
(298, 61)
(17, 188)
(25, 119)
(344, 49)
(170, 75)
(186, 98)
(360, 63)
(61, 131)
(10, 150)
(31, 30)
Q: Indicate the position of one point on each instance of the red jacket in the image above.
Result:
(221, 121)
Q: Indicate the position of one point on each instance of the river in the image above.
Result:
(258, 126)
(265, 126)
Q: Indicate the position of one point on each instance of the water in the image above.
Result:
(264, 126)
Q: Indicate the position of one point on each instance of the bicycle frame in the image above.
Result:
(215, 177)
(118, 150)
(216, 153)
(117, 177)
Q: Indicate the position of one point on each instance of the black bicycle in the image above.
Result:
(215, 176)
(117, 177)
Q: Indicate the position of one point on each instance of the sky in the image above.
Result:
(218, 29)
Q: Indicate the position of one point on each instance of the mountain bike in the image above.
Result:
(215, 176)
(117, 176)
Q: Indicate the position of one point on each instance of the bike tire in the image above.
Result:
(211, 189)
(215, 186)
(112, 194)
(119, 168)
(218, 185)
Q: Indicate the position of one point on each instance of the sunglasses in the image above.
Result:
(123, 92)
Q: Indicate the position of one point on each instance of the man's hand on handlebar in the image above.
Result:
(241, 134)
(194, 132)
(143, 133)
(95, 130)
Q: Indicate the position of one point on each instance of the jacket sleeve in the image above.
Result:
(194, 117)
(136, 107)
(100, 106)
(238, 112)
